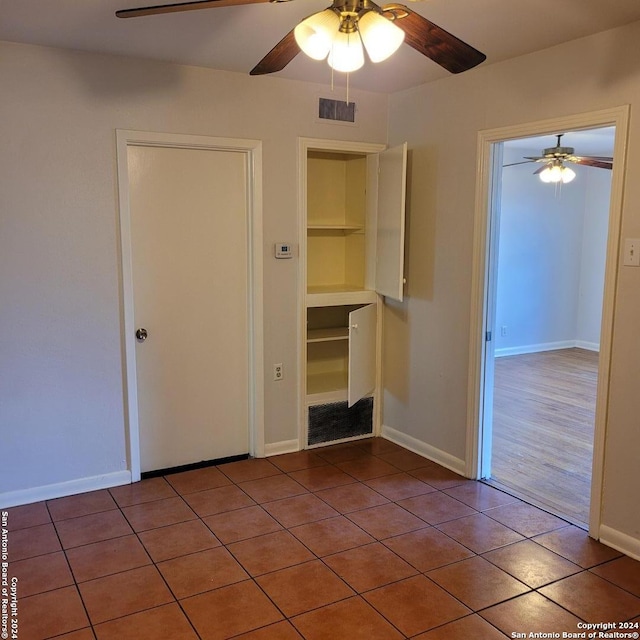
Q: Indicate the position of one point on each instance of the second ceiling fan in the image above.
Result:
(553, 160)
(336, 32)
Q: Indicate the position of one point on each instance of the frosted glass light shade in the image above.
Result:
(346, 53)
(567, 175)
(547, 175)
(380, 36)
(315, 34)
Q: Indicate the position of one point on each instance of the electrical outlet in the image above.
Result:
(503, 331)
(278, 372)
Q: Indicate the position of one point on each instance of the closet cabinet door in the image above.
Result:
(362, 353)
(392, 180)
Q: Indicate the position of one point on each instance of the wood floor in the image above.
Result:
(544, 407)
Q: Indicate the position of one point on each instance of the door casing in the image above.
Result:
(252, 150)
(487, 142)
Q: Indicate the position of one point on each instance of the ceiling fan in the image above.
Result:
(341, 24)
(554, 170)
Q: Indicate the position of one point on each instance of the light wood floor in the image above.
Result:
(544, 407)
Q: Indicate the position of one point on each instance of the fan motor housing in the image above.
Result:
(557, 152)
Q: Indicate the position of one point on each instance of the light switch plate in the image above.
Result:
(631, 252)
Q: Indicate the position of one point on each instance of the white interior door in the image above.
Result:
(392, 181)
(188, 216)
(362, 353)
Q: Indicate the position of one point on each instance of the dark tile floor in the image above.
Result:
(363, 540)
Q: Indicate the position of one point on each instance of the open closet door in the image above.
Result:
(392, 181)
(362, 353)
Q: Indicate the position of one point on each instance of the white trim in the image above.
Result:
(545, 346)
(278, 448)
(618, 117)
(252, 149)
(425, 450)
(63, 489)
(588, 346)
(622, 542)
(303, 145)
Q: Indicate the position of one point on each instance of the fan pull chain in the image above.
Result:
(347, 89)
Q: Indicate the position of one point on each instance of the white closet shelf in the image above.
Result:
(335, 227)
(327, 335)
(332, 295)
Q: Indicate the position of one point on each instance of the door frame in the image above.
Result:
(252, 151)
(483, 263)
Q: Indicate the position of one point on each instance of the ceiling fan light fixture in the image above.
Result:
(380, 36)
(346, 53)
(315, 34)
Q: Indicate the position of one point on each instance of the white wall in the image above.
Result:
(552, 252)
(427, 337)
(61, 385)
(594, 251)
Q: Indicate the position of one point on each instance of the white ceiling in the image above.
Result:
(236, 38)
(590, 142)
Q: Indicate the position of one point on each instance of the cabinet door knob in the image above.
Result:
(141, 335)
(354, 326)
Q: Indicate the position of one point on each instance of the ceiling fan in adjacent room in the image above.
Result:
(339, 32)
(554, 158)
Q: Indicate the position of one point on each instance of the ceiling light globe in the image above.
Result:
(314, 35)
(380, 36)
(545, 175)
(567, 175)
(346, 52)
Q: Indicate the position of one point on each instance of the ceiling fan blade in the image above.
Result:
(279, 57)
(513, 164)
(181, 6)
(593, 162)
(540, 170)
(434, 42)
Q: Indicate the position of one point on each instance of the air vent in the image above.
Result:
(339, 110)
(335, 421)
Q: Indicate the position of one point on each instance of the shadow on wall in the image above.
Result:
(420, 231)
(122, 77)
(421, 223)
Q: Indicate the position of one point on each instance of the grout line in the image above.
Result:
(315, 557)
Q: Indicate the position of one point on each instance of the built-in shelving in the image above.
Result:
(341, 304)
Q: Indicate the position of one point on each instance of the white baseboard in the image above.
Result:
(62, 489)
(425, 450)
(546, 346)
(278, 448)
(588, 346)
(620, 541)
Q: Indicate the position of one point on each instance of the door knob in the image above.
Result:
(141, 335)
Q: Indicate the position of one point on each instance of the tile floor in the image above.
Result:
(363, 540)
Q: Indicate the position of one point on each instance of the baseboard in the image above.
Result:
(425, 450)
(546, 346)
(278, 448)
(620, 541)
(62, 489)
(588, 346)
